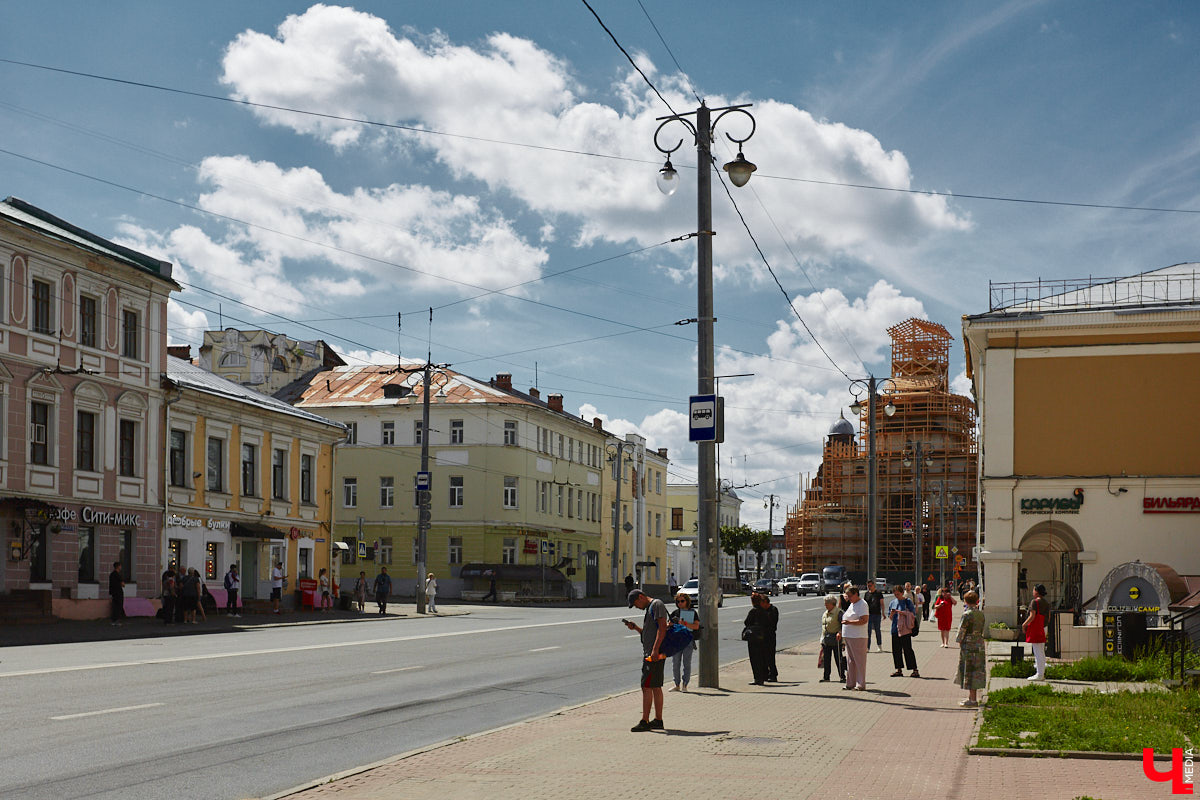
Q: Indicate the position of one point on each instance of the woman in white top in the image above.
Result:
(431, 592)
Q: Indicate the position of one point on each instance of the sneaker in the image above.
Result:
(683, 688)
(968, 703)
(656, 725)
(674, 688)
(1035, 678)
(847, 688)
(641, 727)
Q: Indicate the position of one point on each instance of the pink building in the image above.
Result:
(83, 348)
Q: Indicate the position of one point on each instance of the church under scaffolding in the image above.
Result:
(829, 525)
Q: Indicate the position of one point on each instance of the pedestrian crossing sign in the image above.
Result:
(942, 551)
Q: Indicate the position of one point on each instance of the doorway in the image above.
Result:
(1050, 556)
(249, 571)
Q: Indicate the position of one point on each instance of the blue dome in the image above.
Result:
(843, 427)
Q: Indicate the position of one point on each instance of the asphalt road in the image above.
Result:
(254, 713)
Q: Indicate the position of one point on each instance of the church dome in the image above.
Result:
(843, 427)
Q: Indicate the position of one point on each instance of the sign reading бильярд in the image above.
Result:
(1171, 505)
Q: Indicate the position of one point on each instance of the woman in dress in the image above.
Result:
(972, 653)
(431, 592)
(943, 610)
(686, 616)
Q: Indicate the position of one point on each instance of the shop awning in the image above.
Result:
(510, 572)
(255, 530)
(340, 546)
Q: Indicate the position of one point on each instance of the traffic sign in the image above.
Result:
(362, 549)
(954, 549)
(941, 551)
(908, 524)
(424, 480)
(702, 416)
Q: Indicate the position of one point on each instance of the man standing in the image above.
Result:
(491, 587)
(233, 584)
(874, 601)
(116, 590)
(770, 641)
(854, 636)
(652, 629)
(672, 584)
(383, 589)
(276, 585)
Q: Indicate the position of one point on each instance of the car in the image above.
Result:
(692, 589)
(789, 584)
(747, 587)
(766, 586)
(810, 583)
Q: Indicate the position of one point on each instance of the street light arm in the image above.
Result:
(740, 110)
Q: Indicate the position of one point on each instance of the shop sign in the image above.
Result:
(1053, 505)
(531, 546)
(1171, 505)
(1134, 594)
(178, 521)
(94, 516)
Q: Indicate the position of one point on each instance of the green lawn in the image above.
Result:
(1039, 718)
(1095, 668)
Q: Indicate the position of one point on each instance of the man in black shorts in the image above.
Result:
(652, 629)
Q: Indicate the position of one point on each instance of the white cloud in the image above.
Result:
(185, 326)
(350, 63)
(360, 357)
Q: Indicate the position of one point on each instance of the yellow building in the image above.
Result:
(684, 555)
(509, 472)
(249, 481)
(644, 515)
(1089, 465)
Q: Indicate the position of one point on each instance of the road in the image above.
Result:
(254, 713)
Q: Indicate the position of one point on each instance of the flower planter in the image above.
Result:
(1002, 634)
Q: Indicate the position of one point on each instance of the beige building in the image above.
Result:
(1088, 460)
(510, 471)
(644, 515)
(683, 552)
(264, 361)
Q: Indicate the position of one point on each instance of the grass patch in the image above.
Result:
(1039, 718)
(1095, 668)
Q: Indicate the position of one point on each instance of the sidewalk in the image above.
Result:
(902, 738)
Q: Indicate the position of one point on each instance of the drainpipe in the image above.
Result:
(166, 484)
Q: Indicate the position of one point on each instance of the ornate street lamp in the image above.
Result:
(872, 387)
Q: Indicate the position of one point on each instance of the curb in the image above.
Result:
(1096, 755)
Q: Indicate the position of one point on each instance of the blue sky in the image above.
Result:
(1082, 102)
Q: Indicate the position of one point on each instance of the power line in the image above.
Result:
(691, 86)
(628, 57)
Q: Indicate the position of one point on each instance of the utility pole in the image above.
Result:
(616, 455)
(423, 513)
(771, 505)
(919, 460)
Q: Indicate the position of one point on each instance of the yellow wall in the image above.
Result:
(1104, 415)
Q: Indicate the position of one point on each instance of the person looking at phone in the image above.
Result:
(652, 629)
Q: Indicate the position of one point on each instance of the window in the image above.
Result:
(87, 321)
(125, 553)
(456, 491)
(216, 464)
(676, 519)
(510, 431)
(658, 524)
(456, 431)
(417, 432)
(560, 501)
(508, 553)
(87, 555)
(127, 443)
(279, 474)
(306, 479)
(349, 492)
(210, 561)
(579, 504)
(351, 433)
(658, 483)
(304, 562)
(43, 307)
(387, 492)
(249, 457)
(560, 445)
(388, 433)
(456, 550)
(39, 433)
(85, 441)
(570, 449)
(129, 334)
(570, 501)
(510, 492)
(385, 549)
(178, 458)
(544, 497)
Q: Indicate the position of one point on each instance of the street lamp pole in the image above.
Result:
(707, 498)
(919, 459)
(616, 454)
(871, 386)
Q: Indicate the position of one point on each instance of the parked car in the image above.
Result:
(832, 578)
(692, 589)
(767, 586)
(747, 587)
(789, 584)
(810, 583)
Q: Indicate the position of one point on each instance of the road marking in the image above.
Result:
(543, 649)
(106, 711)
(398, 669)
(633, 636)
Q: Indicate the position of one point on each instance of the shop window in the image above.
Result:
(87, 555)
(304, 562)
(350, 554)
(210, 561)
(175, 553)
(386, 547)
(40, 433)
(125, 553)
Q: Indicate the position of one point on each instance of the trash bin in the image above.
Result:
(344, 602)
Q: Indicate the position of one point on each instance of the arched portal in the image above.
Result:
(1050, 555)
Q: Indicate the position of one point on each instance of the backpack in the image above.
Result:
(676, 639)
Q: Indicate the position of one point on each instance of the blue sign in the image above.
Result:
(362, 549)
(702, 418)
(424, 480)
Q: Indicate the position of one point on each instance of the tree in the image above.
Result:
(759, 542)
(734, 540)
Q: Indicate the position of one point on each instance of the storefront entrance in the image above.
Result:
(1050, 556)
(249, 570)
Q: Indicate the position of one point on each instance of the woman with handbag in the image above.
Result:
(972, 651)
(686, 616)
(754, 635)
(831, 644)
(1035, 631)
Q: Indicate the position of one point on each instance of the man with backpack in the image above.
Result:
(233, 584)
(653, 629)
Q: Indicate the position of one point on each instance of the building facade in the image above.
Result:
(82, 347)
(643, 519)
(683, 549)
(516, 482)
(1090, 471)
(249, 482)
(263, 361)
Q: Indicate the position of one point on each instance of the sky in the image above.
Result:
(496, 162)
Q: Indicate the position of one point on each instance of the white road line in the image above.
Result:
(633, 636)
(543, 649)
(106, 711)
(398, 669)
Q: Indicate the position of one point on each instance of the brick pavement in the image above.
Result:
(902, 738)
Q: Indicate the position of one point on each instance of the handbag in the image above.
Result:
(829, 640)
(821, 658)
(752, 633)
(697, 634)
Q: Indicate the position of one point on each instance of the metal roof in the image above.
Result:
(190, 376)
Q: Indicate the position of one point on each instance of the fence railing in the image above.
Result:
(1183, 637)
(1093, 292)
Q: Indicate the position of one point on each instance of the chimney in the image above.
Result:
(534, 393)
(597, 423)
(183, 351)
(504, 381)
(662, 452)
(555, 401)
